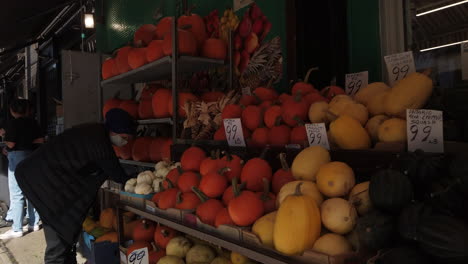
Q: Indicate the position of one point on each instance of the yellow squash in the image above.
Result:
(393, 130)
(263, 228)
(366, 94)
(373, 125)
(348, 133)
(307, 188)
(376, 105)
(297, 224)
(308, 161)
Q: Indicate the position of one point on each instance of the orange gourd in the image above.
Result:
(138, 245)
(106, 218)
(272, 115)
(231, 111)
(187, 43)
(284, 97)
(144, 231)
(131, 107)
(166, 150)
(331, 91)
(234, 164)
(187, 201)
(160, 103)
(281, 176)
(164, 234)
(111, 237)
(144, 35)
(223, 218)
(299, 136)
(247, 100)
(279, 135)
(228, 194)
(187, 180)
(145, 108)
(213, 163)
(168, 199)
(154, 51)
(215, 49)
(163, 27)
(122, 60)
(304, 87)
(137, 57)
(245, 208)
(208, 209)
(172, 178)
(157, 196)
(196, 25)
(295, 109)
(110, 104)
(252, 117)
(214, 184)
(107, 69)
(140, 150)
(192, 158)
(313, 98)
(265, 105)
(253, 173)
(268, 198)
(265, 94)
(183, 97)
(211, 96)
(260, 137)
(155, 149)
(126, 151)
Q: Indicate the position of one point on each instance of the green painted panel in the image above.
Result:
(364, 38)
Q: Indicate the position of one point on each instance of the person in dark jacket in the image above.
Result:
(62, 179)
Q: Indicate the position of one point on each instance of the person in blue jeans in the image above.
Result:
(21, 135)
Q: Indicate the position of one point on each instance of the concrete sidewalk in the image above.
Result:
(28, 249)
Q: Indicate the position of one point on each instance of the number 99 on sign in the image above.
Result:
(138, 257)
(233, 130)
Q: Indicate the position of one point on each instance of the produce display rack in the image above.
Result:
(138, 163)
(155, 121)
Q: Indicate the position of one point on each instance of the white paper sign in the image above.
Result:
(399, 66)
(424, 129)
(317, 135)
(464, 60)
(246, 91)
(234, 134)
(238, 4)
(123, 258)
(139, 256)
(355, 81)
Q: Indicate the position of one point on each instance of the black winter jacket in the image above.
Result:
(62, 178)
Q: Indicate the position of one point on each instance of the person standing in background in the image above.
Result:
(21, 135)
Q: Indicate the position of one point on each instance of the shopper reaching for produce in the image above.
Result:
(62, 178)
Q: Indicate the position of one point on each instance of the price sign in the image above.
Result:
(246, 91)
(399, 66)
(355, 81)
(234, 134)
(139, 256)
(464, 60)
(424, 129)
(317, 135)
(238, 4)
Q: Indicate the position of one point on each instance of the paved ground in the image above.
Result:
(28, 249)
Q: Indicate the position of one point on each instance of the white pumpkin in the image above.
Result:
(130, 185)
(178, 246)
(157, 184)
(145, 177)
(161, 173)
(143, 188)
(162, 164)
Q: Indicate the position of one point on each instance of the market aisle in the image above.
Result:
(27, 249)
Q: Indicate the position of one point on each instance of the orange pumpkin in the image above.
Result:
(154, 50)
(187, 43)
(332, 91)
(137, 57)
(187, 201)
(126, 151)
(231, 111)
(163, 27)
(160, 103)
(260, 137)
(272, 115)
(155, 149)
(141, 149)
(111, 237)
(299, 136)
(281, 176)
(214, 184)
(144, 231)
(265, 94)
(109, 104)
(295, 110)
(192, 158)
(131, 107)
(208, 209)
(253, 173)
(252, 117)
(139, 245)
(284, 97)
(234, 163)
(279, 135)
(215, 49)
(155, 256)
(247, 100)
(145, 109)
(166, 150)
(265, 105)
(304, 87)
(313, 98)
(122, 60)
(168, 198)
(211, 96)
(183, 97)
(220, 134)
(223, 218)
(196, 25)
(107, 69)
(163, 235)
(245, 208)
(144, 34)
(106, 218)
(172, 178)
(211, 164)
(187, 180)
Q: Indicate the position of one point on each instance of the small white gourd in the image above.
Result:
(157, 184)
(143, 188)
(145, 177)
(161, 164)
(130, 185)
(161, 173)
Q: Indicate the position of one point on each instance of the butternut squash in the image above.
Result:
(297, 224)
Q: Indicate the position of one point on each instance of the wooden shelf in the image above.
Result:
(161, 69)
(138, 163)
(155, 121)
(258, 254)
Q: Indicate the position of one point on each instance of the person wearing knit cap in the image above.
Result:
(62, 178)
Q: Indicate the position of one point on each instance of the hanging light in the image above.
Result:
(89, 20)
(442, 8)
(443, 46)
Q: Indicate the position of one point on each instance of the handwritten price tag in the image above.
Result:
(234, 134)
(399, 66)
(139, 256)
(464, 60)
(355, 81)
(238, 4)
(424, 129)
(317, 135)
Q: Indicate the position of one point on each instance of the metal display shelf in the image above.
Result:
(155, 121)
(138, 163)
(257, 254)
(160, 69)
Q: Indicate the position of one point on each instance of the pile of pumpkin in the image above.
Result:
(146, 149)
(152, 42)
